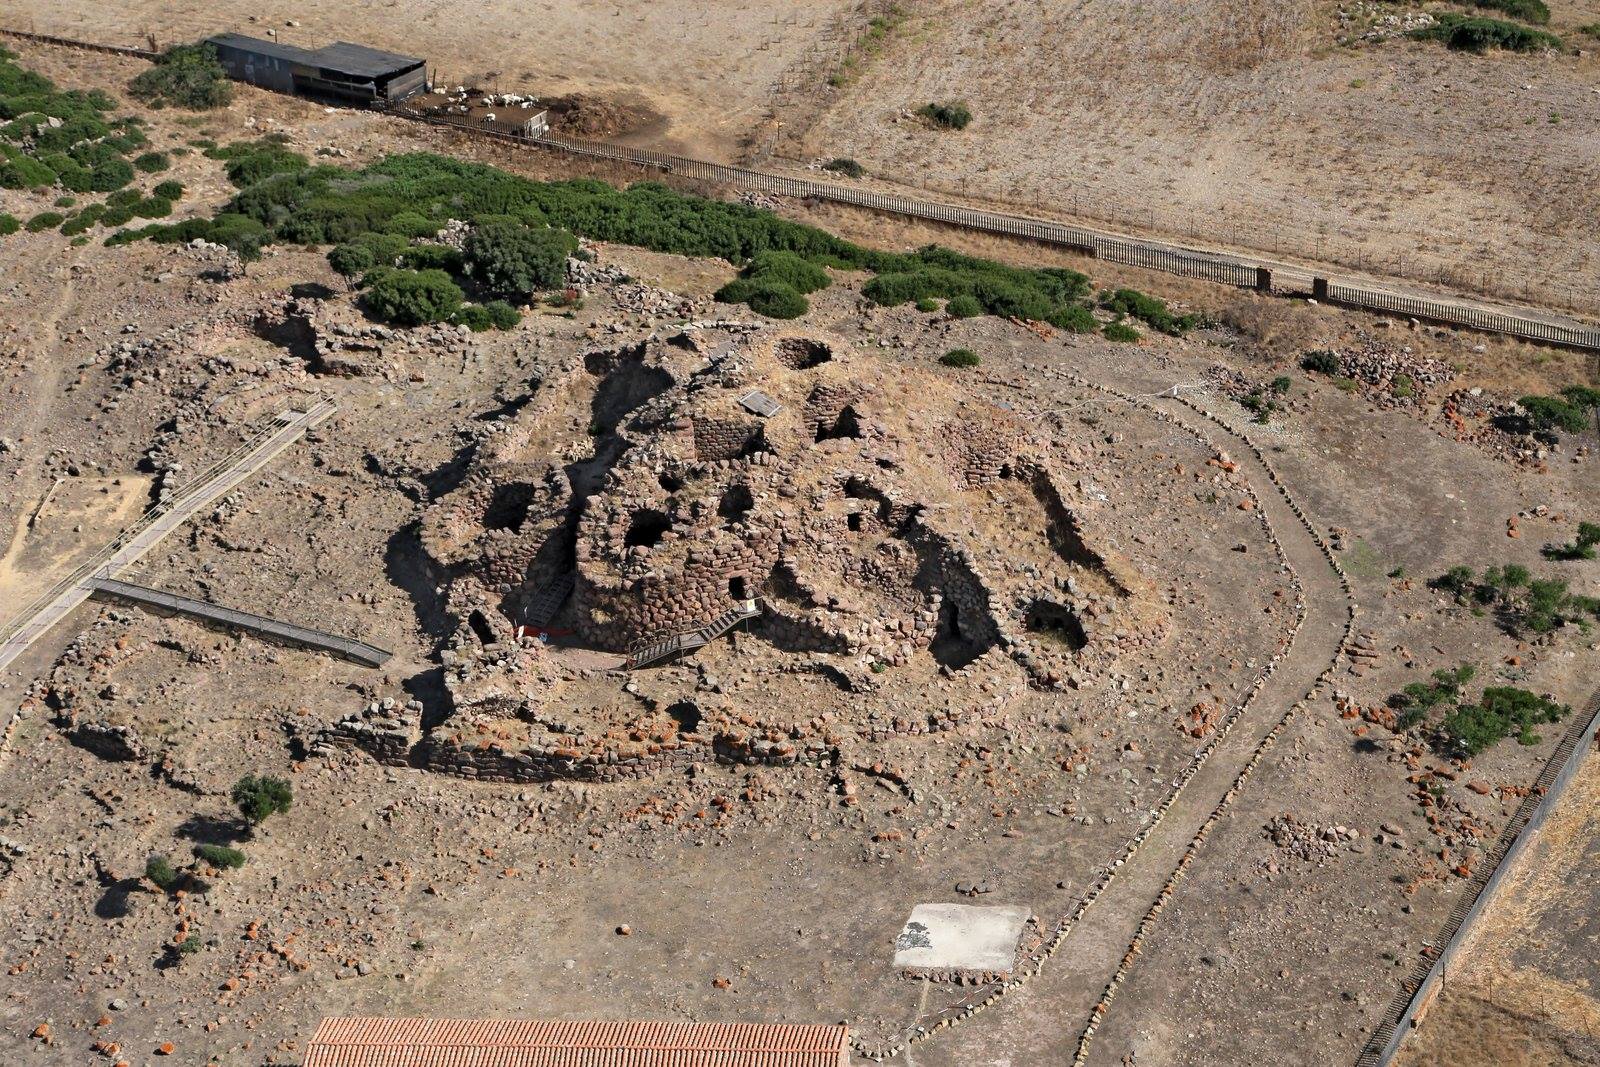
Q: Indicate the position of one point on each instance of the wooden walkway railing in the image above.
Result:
(231, 618)
(660, 648)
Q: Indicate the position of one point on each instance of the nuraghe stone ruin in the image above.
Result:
(887, 520)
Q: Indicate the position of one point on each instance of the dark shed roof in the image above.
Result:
(356, 60)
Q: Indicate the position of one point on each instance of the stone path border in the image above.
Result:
(1033, 963)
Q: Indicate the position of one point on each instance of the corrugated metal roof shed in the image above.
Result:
(385, 1042)
(356, 60)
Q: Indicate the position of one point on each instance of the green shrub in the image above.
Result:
(161, 874)
(412, 224)
(848, 167)
(1534, 11)
(411, 298)
(1120, 331)
(432, 257)
(950, 115)
(186, 76)
(776, 300)
(965, 306)
(351, 260)
(248, 163)
(1550, 413)
(153, 208)
(473, 316)
(152, 162)
(257, 798)
(1467, 33)
(386, 248)
(110, 175)
(1320, 361)
(25, 172)
(65, 201)
(1150, 310)
(189, 945)
(1581, 547)
(124, 198)
(1074, 318)
(220, 856)
(45, 220)
(502, 316)
(927, 304)
(1501, 712)
(72, 175)
(960, 357)
(787, 268)
(9, 224)
(512, 259)
(169, 190)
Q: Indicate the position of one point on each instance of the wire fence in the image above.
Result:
(1424, 983)
(1133, 252)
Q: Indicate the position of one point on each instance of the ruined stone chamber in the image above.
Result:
(893, 525)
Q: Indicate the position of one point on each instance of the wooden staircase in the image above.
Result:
(547, 601)
(660, 648)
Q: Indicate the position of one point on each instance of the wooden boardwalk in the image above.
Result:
(163, 602)
(37, 618)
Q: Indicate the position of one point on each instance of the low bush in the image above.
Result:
(1152, 311)
(848, 167)
(110, 175)
(411, 297)
(510, 258)
(25, 172)
(776, 300)
(927, 304)
(960, 357)
(45, 220)
(257, 798)
(1468, 33)
(965, 306)
(1074, 318)
(1502, 711)
(158, 870)
(432, 257)
(351, 260)
(9, 224)
(1534, 11)
(1120, 331)
(787, 268)
(186, 76)
(413, 224)
(153, 208)
(950, 115)
(1547, 414)
(1580, 547)
(169, 190)
(152, 162)
(502, 316)
(1320, 361)
(220, 856)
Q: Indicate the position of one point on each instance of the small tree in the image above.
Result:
(412, 297)
(960, 357)
(351, 260)
(512, 260)
(1580, 547)
(186, 76)
(257, 798)
(1550, 413)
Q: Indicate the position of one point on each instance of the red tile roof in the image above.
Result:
(381, 1042)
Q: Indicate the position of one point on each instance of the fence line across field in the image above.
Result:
(1188, 263)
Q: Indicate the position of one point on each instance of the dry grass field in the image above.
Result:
(1243, 121)
(701, 69)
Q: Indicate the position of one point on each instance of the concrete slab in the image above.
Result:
(965, 937)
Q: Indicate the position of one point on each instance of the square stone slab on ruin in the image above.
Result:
(960, 937)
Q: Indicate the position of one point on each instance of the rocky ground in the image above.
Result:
(726, 891)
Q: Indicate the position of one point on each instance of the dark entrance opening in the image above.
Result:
(736, 588)
(508, 506)
(686, 714)
(480, 626)
(736, 502)
(1055, 622)
(950, 648)
(848, 424)
(853, 520)
(646, 528)
(670, 482)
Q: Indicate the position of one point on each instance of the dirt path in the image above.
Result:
(1053, 1017)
